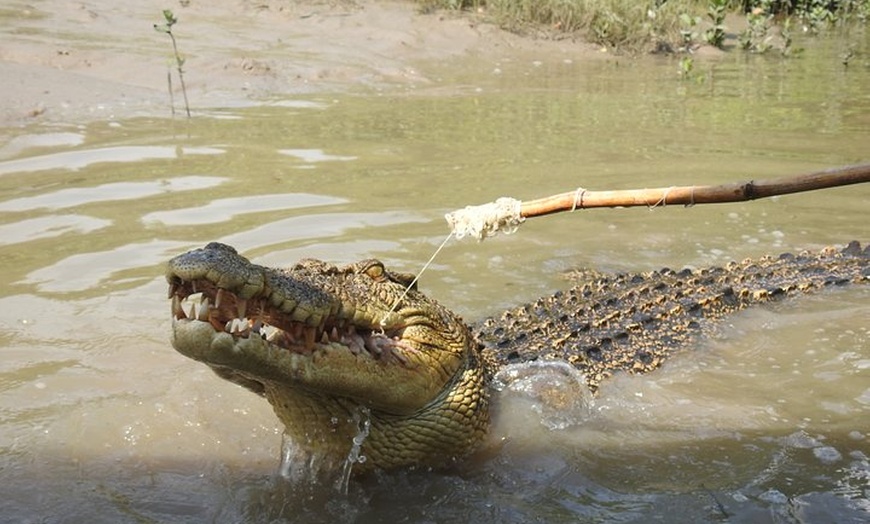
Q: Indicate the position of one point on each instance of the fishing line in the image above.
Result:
(416, 278)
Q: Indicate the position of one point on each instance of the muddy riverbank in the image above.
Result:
(63, 61)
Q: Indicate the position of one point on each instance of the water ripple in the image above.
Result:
(314, 226)
(85, 271)
(24, 142)
(314, 155)
(225, 209)
(48, 227)
(108, 192)
(76, 160)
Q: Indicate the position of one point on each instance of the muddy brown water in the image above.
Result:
(768, 422)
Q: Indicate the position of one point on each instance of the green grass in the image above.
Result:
(642, 26)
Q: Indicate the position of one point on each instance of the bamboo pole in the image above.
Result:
(507, 214)
(691, 195)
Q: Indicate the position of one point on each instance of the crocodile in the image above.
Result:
(344, 352)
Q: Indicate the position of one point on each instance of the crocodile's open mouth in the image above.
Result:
(294, 330)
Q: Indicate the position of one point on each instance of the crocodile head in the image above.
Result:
(328, 346)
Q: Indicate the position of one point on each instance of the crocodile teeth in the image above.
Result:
(173, 287)
(270, 332)
(192, 313)
(237, 326)
(310, 336)
(217, 298)
(203, 310)
(177, 311)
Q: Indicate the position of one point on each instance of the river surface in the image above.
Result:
(102, 421)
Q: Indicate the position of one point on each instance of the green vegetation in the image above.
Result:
(715, 34)
(756, 37)
(166, 27)
(661, 25)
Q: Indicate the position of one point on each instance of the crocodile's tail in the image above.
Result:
(632, 322)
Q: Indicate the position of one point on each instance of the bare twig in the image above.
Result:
(171, 95)
(171, 20)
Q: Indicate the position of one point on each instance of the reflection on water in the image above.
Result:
(81, 272)
(76, 160)
(49, 226)
(77, 196)
(224, 209)
(314, 155)
(769, 422)
(313, 226)
(24, 142)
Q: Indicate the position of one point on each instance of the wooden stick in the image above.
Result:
(691, 195)
(505, 214)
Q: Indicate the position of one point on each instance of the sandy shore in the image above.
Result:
(98, 59)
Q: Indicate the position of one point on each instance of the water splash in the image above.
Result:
(303, 467)
(363, 420)
(289, 456)
(554, 390)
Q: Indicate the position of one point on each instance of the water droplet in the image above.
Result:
(354, 456)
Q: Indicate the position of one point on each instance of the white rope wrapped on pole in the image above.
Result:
(506, 214)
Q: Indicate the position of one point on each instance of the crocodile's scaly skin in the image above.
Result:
(632, 322)
(330, 345)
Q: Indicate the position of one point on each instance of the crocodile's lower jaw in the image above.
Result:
(321, 423)
(331, 368)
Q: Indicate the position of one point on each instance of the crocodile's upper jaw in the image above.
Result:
(320, 342)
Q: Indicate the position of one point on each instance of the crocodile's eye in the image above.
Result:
(375, 270)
